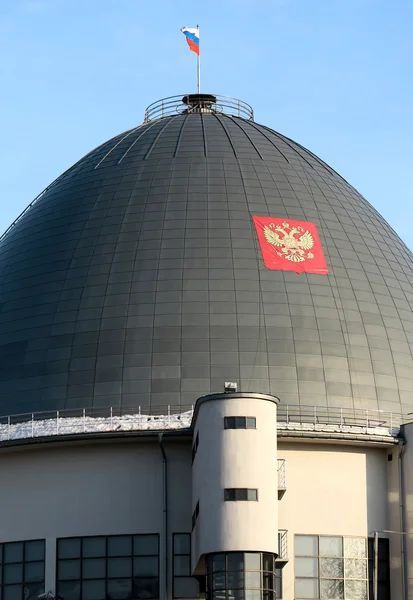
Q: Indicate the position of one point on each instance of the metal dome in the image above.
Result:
(136, 278)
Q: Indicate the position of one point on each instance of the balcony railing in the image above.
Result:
(112, 419)
(282, 477)
(282, 546)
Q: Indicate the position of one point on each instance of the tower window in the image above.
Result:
(231, 494)
(240, 422)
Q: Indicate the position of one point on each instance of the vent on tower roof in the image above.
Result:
(198, 103)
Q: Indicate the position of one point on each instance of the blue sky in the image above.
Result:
(334, 75)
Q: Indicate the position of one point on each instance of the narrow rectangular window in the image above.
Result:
(240, 422)
(195, 515)
(184, 586)
(195, 446)
(240, 494)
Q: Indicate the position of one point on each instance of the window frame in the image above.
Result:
(106, 557)
(174, 554)
(240, 493)
(230, 422)
(23, 562)
(318, 578)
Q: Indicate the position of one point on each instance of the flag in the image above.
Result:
(289, 245)
(192, 37)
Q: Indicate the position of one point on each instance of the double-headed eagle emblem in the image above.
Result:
(291, 247)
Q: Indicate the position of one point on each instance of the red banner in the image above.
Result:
(289, 245)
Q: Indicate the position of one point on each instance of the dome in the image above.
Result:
(137, 279)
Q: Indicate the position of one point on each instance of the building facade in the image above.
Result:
(133, 291)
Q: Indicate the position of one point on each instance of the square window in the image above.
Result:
(69, 548)
(306, 567)
(146, 566)
(34, 550)
(331, 546)
(306, 545)
(12, 592)
(69, 569)
(12, 574)
(182, 566)
(182, 543)
(120, 545)
(94, 547)
(146, 587)
(13, 552)
(252, 494)
(306, 588)
(119, 567)
(251, 422)
(34, 571)
(94, 568)
(145, 545)
(93, 590)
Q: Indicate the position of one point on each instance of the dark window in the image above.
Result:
(383, 570)
(242, 576)
(233, 494)
(195, 446)
(184, 586)
(240, 422)
(195, 515)
(22, 567)
(112, 567)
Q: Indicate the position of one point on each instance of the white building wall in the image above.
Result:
(331, 490)
(110, 488)
(235, 458)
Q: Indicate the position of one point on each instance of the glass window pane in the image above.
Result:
(278, 584)
(186, 587)
(355, 568)
(34, 550)
(182, 566)
(332, 567)
(229, 422)
(12, 573)
(306, 567)
(69, 590)
(13, 552)
(251, 422)
(12, 592)
(306, 545)
(219, 562)
(93, 590)
(146, 587)
(331, 546)
(120, 545)
(32, 591)
(229, 494)
(235, 561)
(252, 561)
(182, 543)
(145, 545)
(69, 569)
(235, 580)
(241, 494)
(332, 589)
(69, 548)
(306, 588)
(268, 581)
(145, 566)
(94, 547)
(218, 580)
(253, 579)
(252, 495)
(119, 567)
(268, 562)
(355, 547)
(252, 595)
(34, 571)
(240, 422)
(94, 568)
(119, 589)
(355, 589)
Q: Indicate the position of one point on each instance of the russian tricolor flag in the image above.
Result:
(192, 37)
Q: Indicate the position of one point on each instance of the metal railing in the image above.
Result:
(174, 105)
(282, 474)
(106, 419)
(282, 545)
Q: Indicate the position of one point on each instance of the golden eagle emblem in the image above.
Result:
(292, 241)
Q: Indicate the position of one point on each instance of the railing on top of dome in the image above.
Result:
(111, 419)
(198, 103)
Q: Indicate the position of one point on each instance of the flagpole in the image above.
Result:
(199, 64)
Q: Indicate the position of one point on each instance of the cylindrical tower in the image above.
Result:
(235, 492)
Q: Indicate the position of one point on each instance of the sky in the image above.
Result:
(334, 75)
